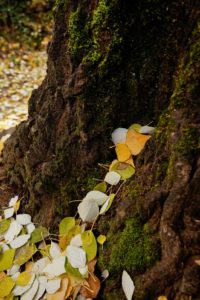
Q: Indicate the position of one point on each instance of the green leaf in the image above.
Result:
(89, 244)
(107, 204)
(135, 127)
(6, 286)
(102, 187)
(6, 259)
(73, 271)
(66, 225)
(39, 234)
(24, 254)
(45, 251)
(123, 169)
(4, 225)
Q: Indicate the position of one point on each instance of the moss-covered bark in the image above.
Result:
(112, 63)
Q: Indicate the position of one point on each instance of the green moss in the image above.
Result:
(186, 90)
(189, 142)
(132, 249)
(79, 41)
(86, 32)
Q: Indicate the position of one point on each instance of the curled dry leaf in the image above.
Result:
(92, 289)
(147, 129)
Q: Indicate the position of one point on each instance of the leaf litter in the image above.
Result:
(65, 269)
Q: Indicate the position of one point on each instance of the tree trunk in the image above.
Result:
(111, 64)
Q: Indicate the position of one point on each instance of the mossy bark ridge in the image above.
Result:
(111, 64)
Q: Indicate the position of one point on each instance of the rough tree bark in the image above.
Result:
(110, 64)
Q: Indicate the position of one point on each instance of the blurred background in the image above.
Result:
(25, 30)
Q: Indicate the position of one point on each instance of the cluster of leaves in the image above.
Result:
(35, 264)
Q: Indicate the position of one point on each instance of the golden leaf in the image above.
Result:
(123, 152)
(136, 141)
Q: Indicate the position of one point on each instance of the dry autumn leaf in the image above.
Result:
(92, 290)
(60, 294)
(136, 141)
(123, 152)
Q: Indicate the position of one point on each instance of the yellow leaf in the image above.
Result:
(60, 294)
(123, 169)
(6, 286)
(2, 275)
(130, 162)
(6, 259)
(89, 244)
(23, 278)
(162, 298)
(64, 240)
(136, 141)
(1, 147)
(17, 206)
(123, 152)
(197, 262)
(102, 187)
(66, 225)
(101, 239)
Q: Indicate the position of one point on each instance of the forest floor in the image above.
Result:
(22, 70)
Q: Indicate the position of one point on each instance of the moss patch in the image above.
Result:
(132, 249)
(189, 142)
(186, 90)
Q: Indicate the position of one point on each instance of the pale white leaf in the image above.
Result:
(57, 267)
(30, 228)
(9, 212)
(23, 219)
(97, 196)
(13, 201)
(147, 129)
(112, 177)
(12, 231)
(76, 241)
(19, 241)
(127, 285)
(104, 207)
(4, 247)
(40, 264)
(30, 294)
(14, 276)
(41, 288)
(54, 250)
(53, 285)
(84, 270)
(105, 274)
(13, 270)
(76, 256)
(20, 290)
(119, 135)
(88, 210)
